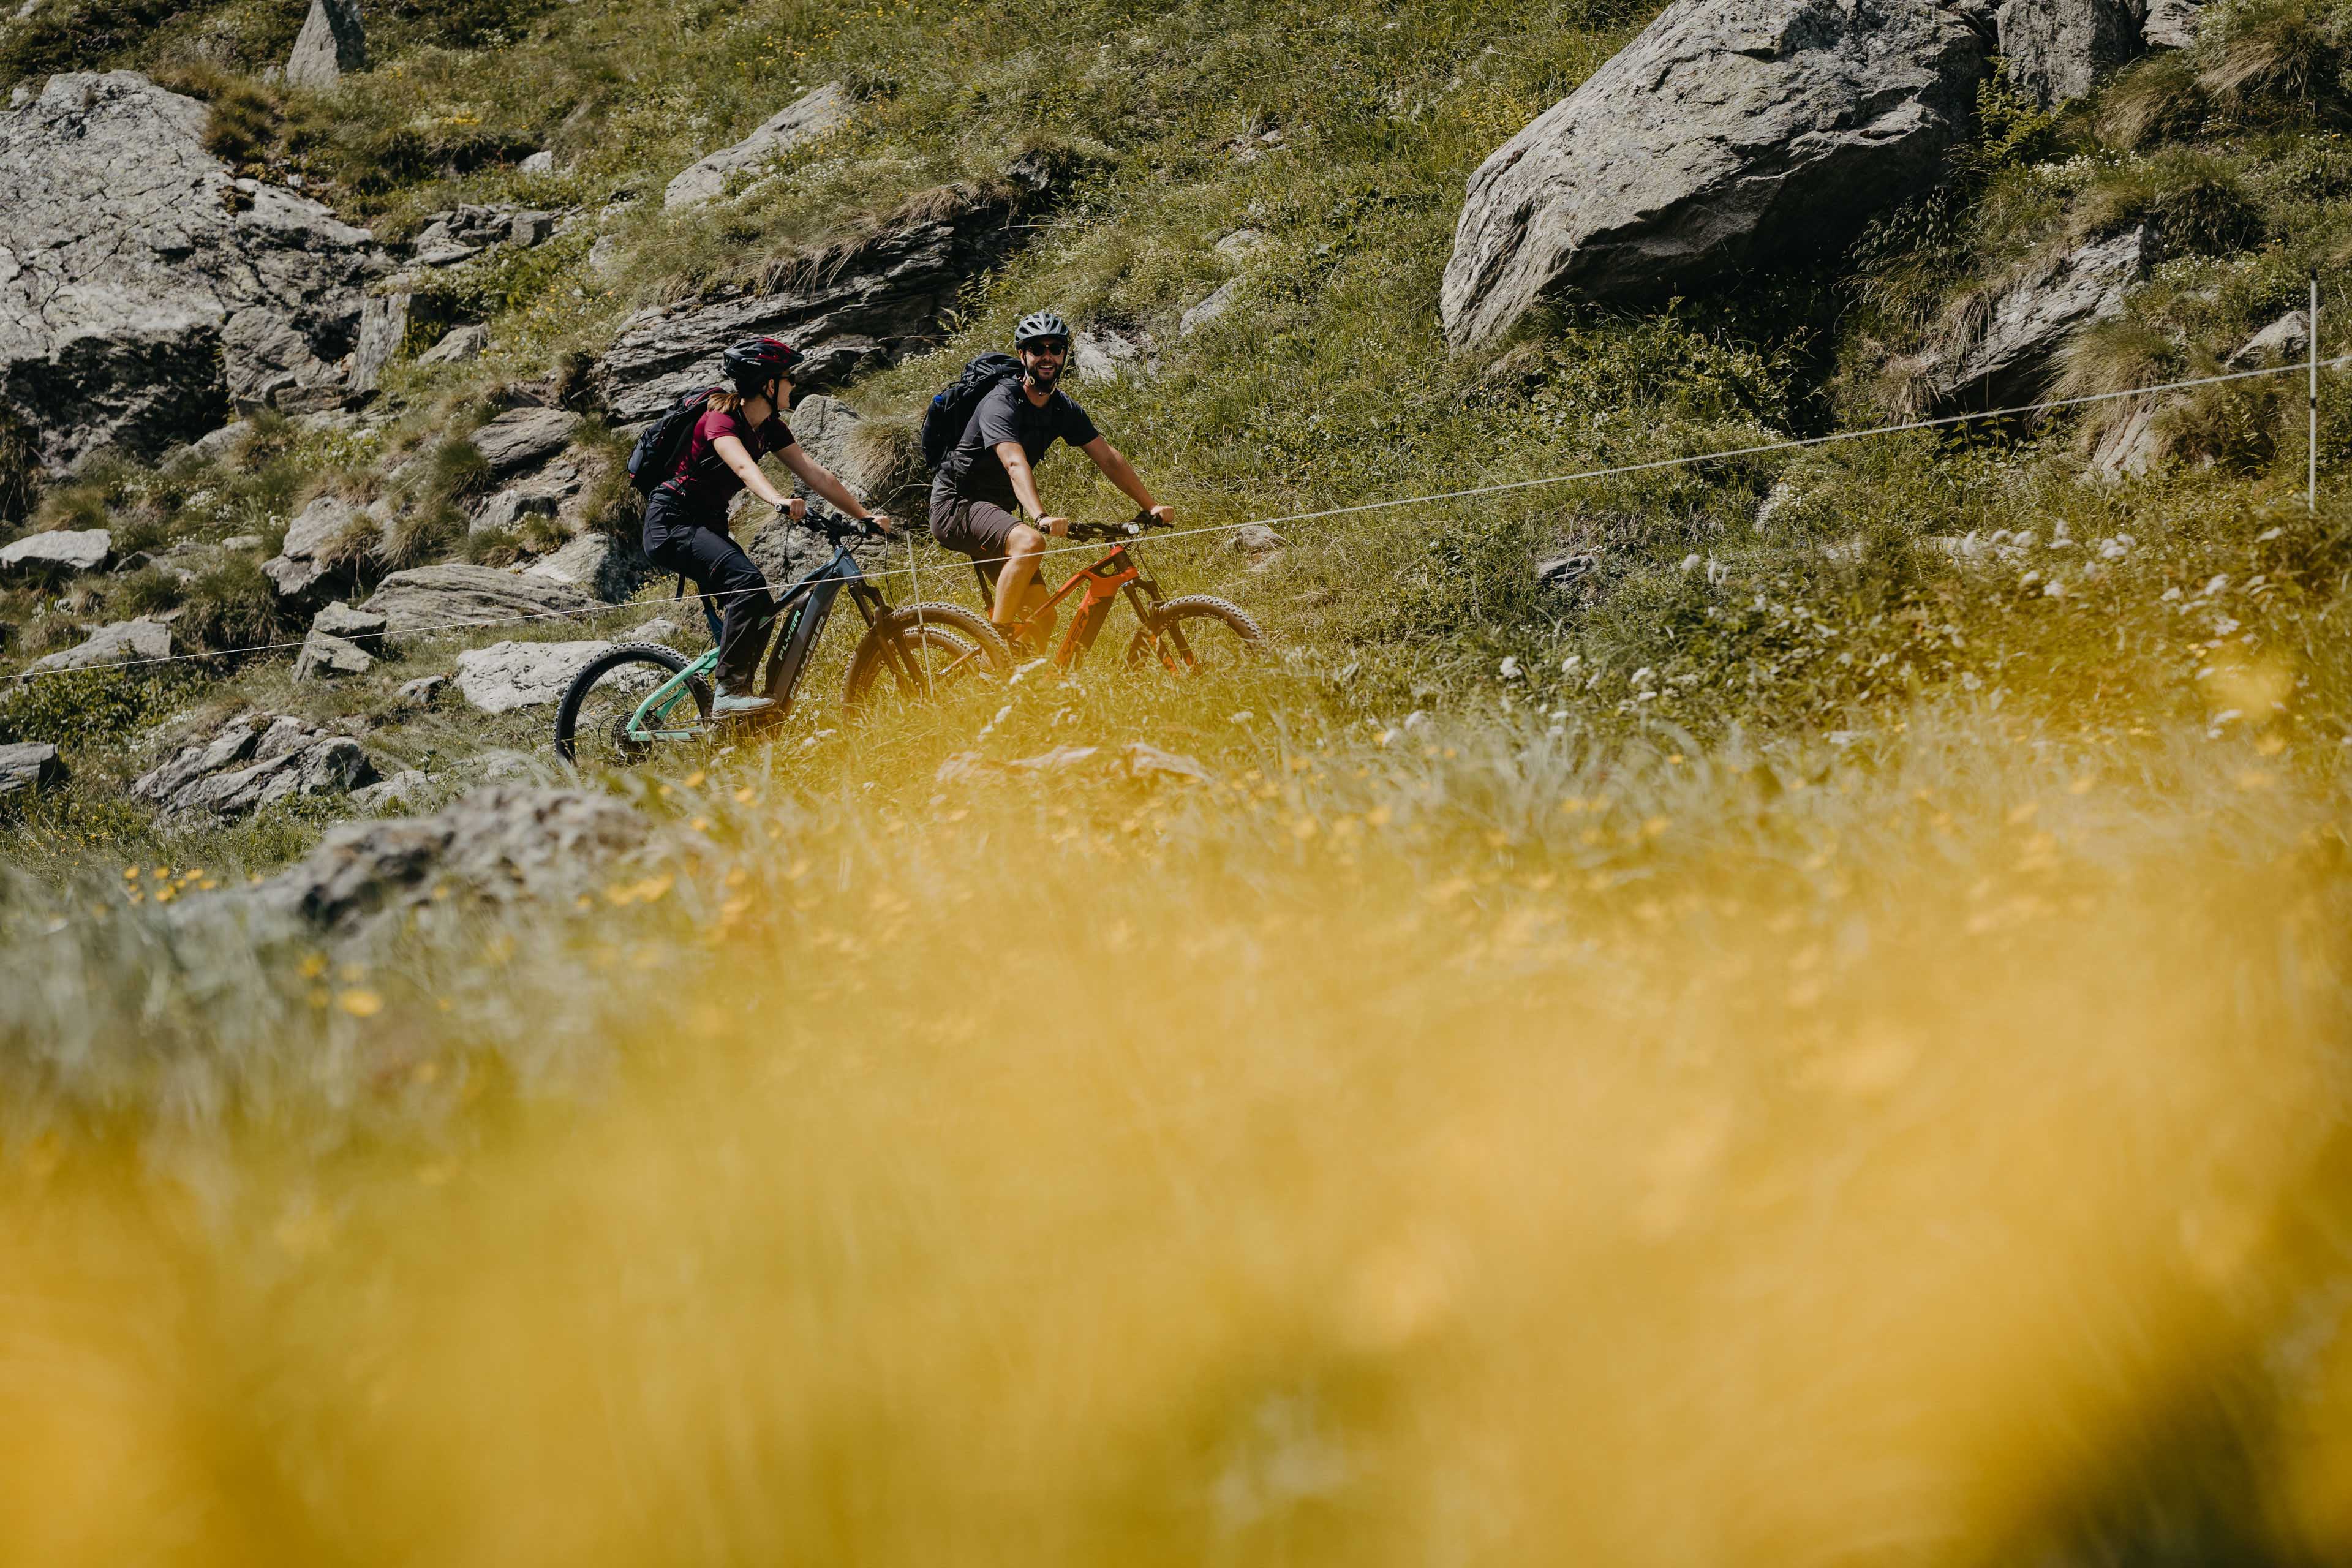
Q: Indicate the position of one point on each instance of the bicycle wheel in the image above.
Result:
(1195, 635)
(590, 724)
(939, 649)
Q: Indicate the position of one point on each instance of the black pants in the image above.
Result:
(677, 541)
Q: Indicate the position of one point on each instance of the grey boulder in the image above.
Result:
(2289, 337)
(124, 642)
(501, 844)
(340, 620)
(383, 327)
(330, 42)
(322, 546)
(524, 437)
(65, 550)
(859, 304)
(144, 289)
(455, 595)
(325, 657)
(458, 345)
(596, 564)
(1728, 133)
(2007, 357)
(808, 118)
(28, 766)
(505, 510)
(2058, 49)
(505, 676)
(2172, 24)
(252, 761)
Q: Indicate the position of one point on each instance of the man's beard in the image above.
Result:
(1043, 378)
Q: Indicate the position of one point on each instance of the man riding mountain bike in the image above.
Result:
(989, 479)
(686, 515)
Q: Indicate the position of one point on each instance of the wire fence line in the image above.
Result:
(1476, 492)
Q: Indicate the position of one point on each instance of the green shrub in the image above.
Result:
(70, 34)
(458, 470)
(232, 606)
(147, 592)
(2277, 62)
(491, 547)
(2199, 203)
(2157, 99)
(421, 534)
(77, 707)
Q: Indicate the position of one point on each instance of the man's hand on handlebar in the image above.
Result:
(880, 522)
(1157, 516)
(794, 509)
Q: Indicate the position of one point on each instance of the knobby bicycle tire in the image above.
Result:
(668, 659)
(1202, 609)
(970, 642)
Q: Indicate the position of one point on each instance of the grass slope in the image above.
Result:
(1820, 1041)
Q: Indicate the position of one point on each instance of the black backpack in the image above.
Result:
(950, 410)
(655, 457)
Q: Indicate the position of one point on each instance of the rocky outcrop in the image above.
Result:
(325, 657)
(1114, 353)
(124, 642)
(1730, 131)
(144, 289)
(596, 564)
(253, 760)
(523, 439)
(2172, 24)
(505, 676)
(1217, 303)
(2007, 357)
(330, 42)
(324, 543)
(461, 233)
(2058, 49)
(61, 551)
(362, 626)
(2287, 338)
(383, 327)
(28, 766)
(503, 844)
(458, 345)
(854, 306)
(455, 595)
(808, 118)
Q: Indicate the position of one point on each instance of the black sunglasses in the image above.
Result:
(1049, 345)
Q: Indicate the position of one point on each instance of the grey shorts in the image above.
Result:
(980, 528)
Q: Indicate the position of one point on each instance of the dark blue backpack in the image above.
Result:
(655, 457)
(950, 410)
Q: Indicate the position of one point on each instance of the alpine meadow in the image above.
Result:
(1755, 967)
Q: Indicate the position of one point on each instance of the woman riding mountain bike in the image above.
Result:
(686, 516)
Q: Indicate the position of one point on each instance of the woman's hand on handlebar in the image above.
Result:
(880, 522)
(1157, 516)
(796, 509)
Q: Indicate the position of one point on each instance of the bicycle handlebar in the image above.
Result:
(1110, 533)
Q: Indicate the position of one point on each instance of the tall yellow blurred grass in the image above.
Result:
(1381, 1158)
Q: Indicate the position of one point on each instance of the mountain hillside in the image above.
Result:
(1758, 970)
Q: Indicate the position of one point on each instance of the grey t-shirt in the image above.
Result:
(974, 472)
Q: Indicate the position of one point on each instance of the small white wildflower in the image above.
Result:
(2053, 589)
(1511, 667)
(1243, 717)
(2267, 538)
(2223, 625)
(1643, 676)
(2168, 594)
(1690, 562)
(2219, 581)
(1567, 665)
(1415, 719)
